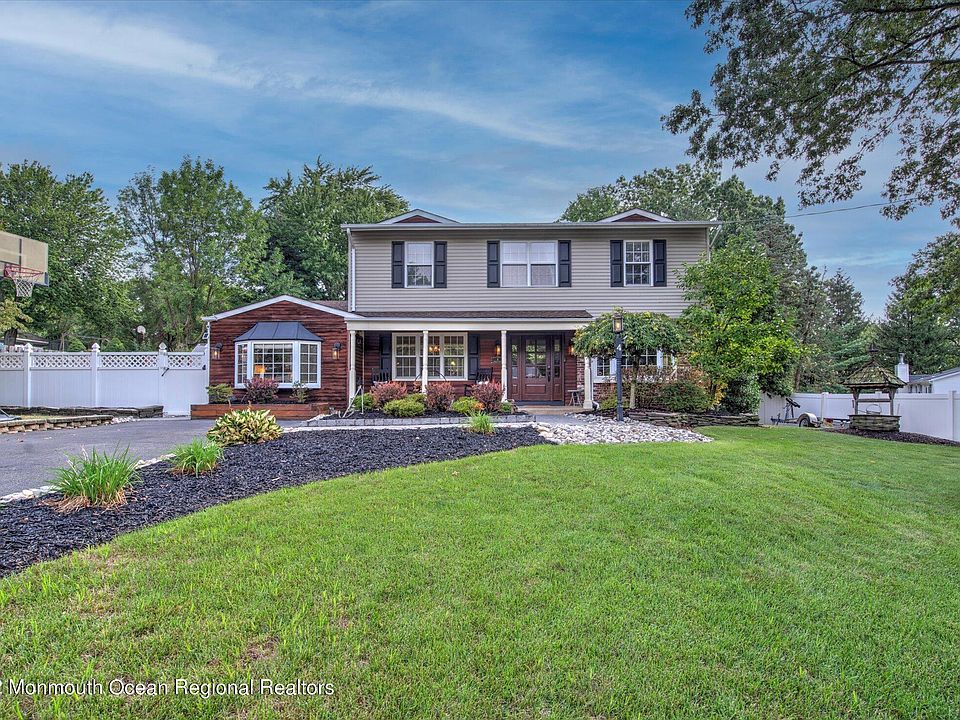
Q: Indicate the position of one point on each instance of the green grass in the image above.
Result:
(772, 573)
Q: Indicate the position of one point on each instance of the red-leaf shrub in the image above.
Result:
(385, 392)
(261, 390)
(440, 396)
(489, 395)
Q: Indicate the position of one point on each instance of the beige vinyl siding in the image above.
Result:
(467, 272)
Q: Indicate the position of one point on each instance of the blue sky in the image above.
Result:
(478, 111)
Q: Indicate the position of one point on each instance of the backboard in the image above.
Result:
(23, 260)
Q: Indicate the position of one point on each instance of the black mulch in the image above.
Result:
(898, 437)
(31, 531)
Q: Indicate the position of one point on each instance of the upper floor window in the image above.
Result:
(637, 263)
(419, 264)
(528, 264)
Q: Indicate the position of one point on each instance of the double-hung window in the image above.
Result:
(607, 367)
(418, 264)
(528, 264)
(446, 357)
(286, 362)
(637, 263)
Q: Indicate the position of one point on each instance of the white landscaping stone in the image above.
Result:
(603, 430)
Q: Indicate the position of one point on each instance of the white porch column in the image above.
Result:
(424, 371)
(588, 383)
(352, 367)
(504, 363)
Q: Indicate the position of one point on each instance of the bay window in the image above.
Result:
(287, 362)
(528, 264)
(446, 357)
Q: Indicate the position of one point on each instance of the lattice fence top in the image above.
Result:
(185, 361)
(11, 361)
(128, 360)
(60, 361)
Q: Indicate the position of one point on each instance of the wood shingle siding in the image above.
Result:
(468, 272)
(332, 328)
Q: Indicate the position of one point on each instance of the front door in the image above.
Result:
(537, 368)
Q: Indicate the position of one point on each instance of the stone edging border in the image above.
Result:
(53, 423)
(416, 421)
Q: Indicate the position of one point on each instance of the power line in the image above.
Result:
(775, 218)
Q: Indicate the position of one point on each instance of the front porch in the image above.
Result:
(533, 364)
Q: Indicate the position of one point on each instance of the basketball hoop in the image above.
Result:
(23, 278)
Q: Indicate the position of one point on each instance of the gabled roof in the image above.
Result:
(285, 330)
(417, 216)
(334, 307)
(637, 215)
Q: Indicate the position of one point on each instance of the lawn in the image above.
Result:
(771, 573)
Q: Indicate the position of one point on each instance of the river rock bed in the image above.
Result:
(600, 430)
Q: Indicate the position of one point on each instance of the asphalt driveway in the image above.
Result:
(27, 459)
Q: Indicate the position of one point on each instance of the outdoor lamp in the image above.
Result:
(618, 322)
(497, 350)
(336, 350)
(215, 354)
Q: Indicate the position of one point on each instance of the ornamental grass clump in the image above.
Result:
(241, 427)
(480, 423)
(98, 479)
(196, 457)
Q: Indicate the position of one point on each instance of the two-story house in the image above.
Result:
(430, 299)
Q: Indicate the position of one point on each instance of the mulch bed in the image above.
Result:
(32, 531)
(898, 437)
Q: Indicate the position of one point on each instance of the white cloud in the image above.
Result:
(144, 46)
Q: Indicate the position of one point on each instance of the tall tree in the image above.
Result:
(200, 244)
(824, 83)
(88, 260)
(304, 215)
(737, 326)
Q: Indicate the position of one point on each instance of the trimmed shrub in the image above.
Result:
(219, 394)
(440, 396)
(506, 407)
(741, 396)
(418, 397)
(99, 479)
(489, 395)
(244, 426)
(480, 423)
(364, 401)
(609, 402)
(197, 456)
(466, 405)
(684, 396)
(404, 407)
(385, 392)
(261, 390)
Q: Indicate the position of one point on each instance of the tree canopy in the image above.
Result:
(825, 83)
(641, 332)
(303, 219)
(88, 258)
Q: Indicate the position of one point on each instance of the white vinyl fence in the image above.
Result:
(936, 414)
(33, 378)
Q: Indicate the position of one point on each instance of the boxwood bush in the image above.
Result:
(466, 405)
(685, 396)
(404, 407)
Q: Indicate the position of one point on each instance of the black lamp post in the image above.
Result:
(618, 347)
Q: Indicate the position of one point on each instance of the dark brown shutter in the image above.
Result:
(563, 264)
(397, 265)
(440, 264)
(385, 355)
(493, 263)
(616, 263)
(473, 354)
(660, 263)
